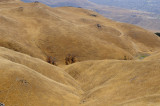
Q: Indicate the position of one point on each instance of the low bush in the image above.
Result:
(70, 59)
(52, 60)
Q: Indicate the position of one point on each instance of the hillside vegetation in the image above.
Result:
(41, 31)
(109, 69)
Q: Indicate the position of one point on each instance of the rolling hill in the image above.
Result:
(109, 70)
(118, 83)
(30, 81)
(78, 33)
(147, 19)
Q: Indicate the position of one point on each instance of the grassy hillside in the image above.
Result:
(142, 13)
(120, 83)
(57, 32)
(32, 82)
(109, 70)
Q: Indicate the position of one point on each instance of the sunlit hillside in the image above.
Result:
(116, 63)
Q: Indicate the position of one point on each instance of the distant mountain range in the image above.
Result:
(144, 5)
(113, 10)
(60, 3)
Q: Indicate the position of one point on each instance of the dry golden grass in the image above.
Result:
(27, 81)
(41, 31)
(154, 56)
(30, 32)
(113, 82)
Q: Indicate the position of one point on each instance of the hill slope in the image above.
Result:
(33, 82)
(30, 32)
(147, 17)
(120, 83)
(60, 31)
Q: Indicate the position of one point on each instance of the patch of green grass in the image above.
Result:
(143, 56)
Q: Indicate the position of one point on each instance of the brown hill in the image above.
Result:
(147, 20)
(118, 83)
(33, 82)
(154, 56)
(60, 31)
(29, 32)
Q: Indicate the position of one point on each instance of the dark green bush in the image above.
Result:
(158, 34)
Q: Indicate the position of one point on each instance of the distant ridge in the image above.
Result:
(143, 19)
